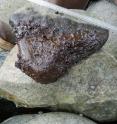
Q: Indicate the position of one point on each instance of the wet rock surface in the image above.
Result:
(48, 47)
(49, 118)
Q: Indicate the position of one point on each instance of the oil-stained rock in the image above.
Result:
(48, 46)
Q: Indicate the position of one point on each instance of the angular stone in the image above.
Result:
(48, 47)
(3, 55)
(49, 118)
(89, 88)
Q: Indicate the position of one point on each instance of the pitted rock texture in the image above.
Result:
(89, 87)
(48, 47)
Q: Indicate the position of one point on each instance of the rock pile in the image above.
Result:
(89, 88)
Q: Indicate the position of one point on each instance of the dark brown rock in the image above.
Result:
(48, 47)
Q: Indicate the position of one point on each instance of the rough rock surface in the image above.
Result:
(49, 118)
(90, 88)
(48, 47)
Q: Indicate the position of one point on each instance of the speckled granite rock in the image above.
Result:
(49, 118)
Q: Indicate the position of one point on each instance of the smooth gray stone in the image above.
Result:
(49, 118)
(89, 87)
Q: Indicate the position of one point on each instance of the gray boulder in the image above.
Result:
(49, 118)
(9, 6)
(89, 88)
(107, 12)
(7, 109)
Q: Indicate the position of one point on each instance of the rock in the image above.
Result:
(71, 4)
(6, 32)
(48, 47)
(89, 88)
(111, 46)
(7, 109)
(104, 10)
(107, 12)
(113, 1)
(7, 7)
(5, 106)
(49, 118)
(3, 55)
